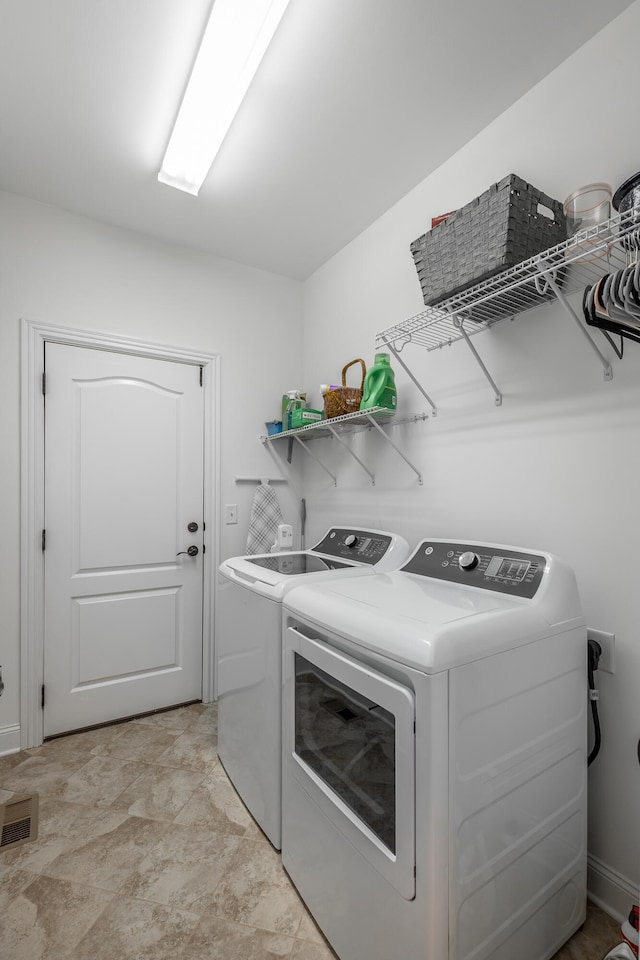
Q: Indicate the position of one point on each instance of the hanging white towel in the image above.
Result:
(265, 519)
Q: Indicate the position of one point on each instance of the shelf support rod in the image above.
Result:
(349, 450)
(386, 436)
(549, 279)
(424, 393)
(306, 449)
(457, 322)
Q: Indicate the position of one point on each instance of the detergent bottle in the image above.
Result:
(292, 400)
(379, 386)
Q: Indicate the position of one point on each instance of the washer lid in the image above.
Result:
(346, 551)
(293, 564)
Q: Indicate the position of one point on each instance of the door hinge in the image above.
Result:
(44, 540)
(42, 696)
(200, 376)
(204, 549)
(44, 384)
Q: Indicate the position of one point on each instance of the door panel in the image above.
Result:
(107, 642)
(123, 478)
(134, 424)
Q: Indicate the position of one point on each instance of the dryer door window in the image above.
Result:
(349, 742)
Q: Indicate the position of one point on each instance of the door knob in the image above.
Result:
(192, 551)
(192, 527)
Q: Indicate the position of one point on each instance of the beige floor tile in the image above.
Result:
(40, 774)
(8, 762)
(35, 856)
(60, 823)
(132, 929)
(174, 721)
(215, 805)
(107, 860)
(12, 883)
(62, 818)
(137, 741)
(599, 934)
(48, 918)
(316, 951)
(101, 780)
(159, 793)
(208, 719)
(182, 868)
(78, 743)
(255, 891)
(191, 751)
(218, 939)
(308, 929)
(253, 832)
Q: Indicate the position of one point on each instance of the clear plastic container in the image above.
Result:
(588, 206)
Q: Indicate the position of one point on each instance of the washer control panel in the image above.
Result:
(359, 546)
(514, 572)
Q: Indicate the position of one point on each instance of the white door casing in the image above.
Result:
(101, 673)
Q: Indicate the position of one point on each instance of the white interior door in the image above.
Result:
(123, 479)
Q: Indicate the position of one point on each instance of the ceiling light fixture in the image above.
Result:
(235, 40)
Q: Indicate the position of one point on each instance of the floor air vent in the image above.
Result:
(19, 821)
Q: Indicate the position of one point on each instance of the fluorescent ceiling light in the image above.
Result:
(235, 40)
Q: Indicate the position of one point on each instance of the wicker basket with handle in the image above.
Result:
(344, 399)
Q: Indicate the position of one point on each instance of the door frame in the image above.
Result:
(32, 462)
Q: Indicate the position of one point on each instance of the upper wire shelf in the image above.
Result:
(562, 270)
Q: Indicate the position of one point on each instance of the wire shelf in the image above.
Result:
(568, 267)
(347, 423)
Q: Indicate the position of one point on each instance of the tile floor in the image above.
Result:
(145, 852)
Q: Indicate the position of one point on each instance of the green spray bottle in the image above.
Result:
(379, 386)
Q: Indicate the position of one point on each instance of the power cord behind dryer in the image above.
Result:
(594, 652)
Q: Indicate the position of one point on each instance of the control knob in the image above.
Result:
(468, 560)
(350, 540)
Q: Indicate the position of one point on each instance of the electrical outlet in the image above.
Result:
(607, 643)
(231, 513)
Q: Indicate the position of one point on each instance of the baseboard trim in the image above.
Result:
(610, 890)
(9, 739)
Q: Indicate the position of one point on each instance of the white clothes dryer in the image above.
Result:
(249, 653)
(435, 756)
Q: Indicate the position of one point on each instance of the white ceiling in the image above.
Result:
(355, 103)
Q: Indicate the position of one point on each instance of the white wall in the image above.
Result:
(558, 465)
(58, 268)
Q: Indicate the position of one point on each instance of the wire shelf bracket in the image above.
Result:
(318, 460)
(335, 433)
(551, 281)
(388, 439)
(396, 353)
(459, 322)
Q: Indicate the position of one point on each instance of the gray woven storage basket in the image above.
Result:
(498, 229)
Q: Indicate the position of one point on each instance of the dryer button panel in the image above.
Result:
(359, 546)
(513, 572)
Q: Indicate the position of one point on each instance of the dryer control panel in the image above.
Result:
(351, 543)
(513, 572)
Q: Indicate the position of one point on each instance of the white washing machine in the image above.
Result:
(435, 756)
(249, 653)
